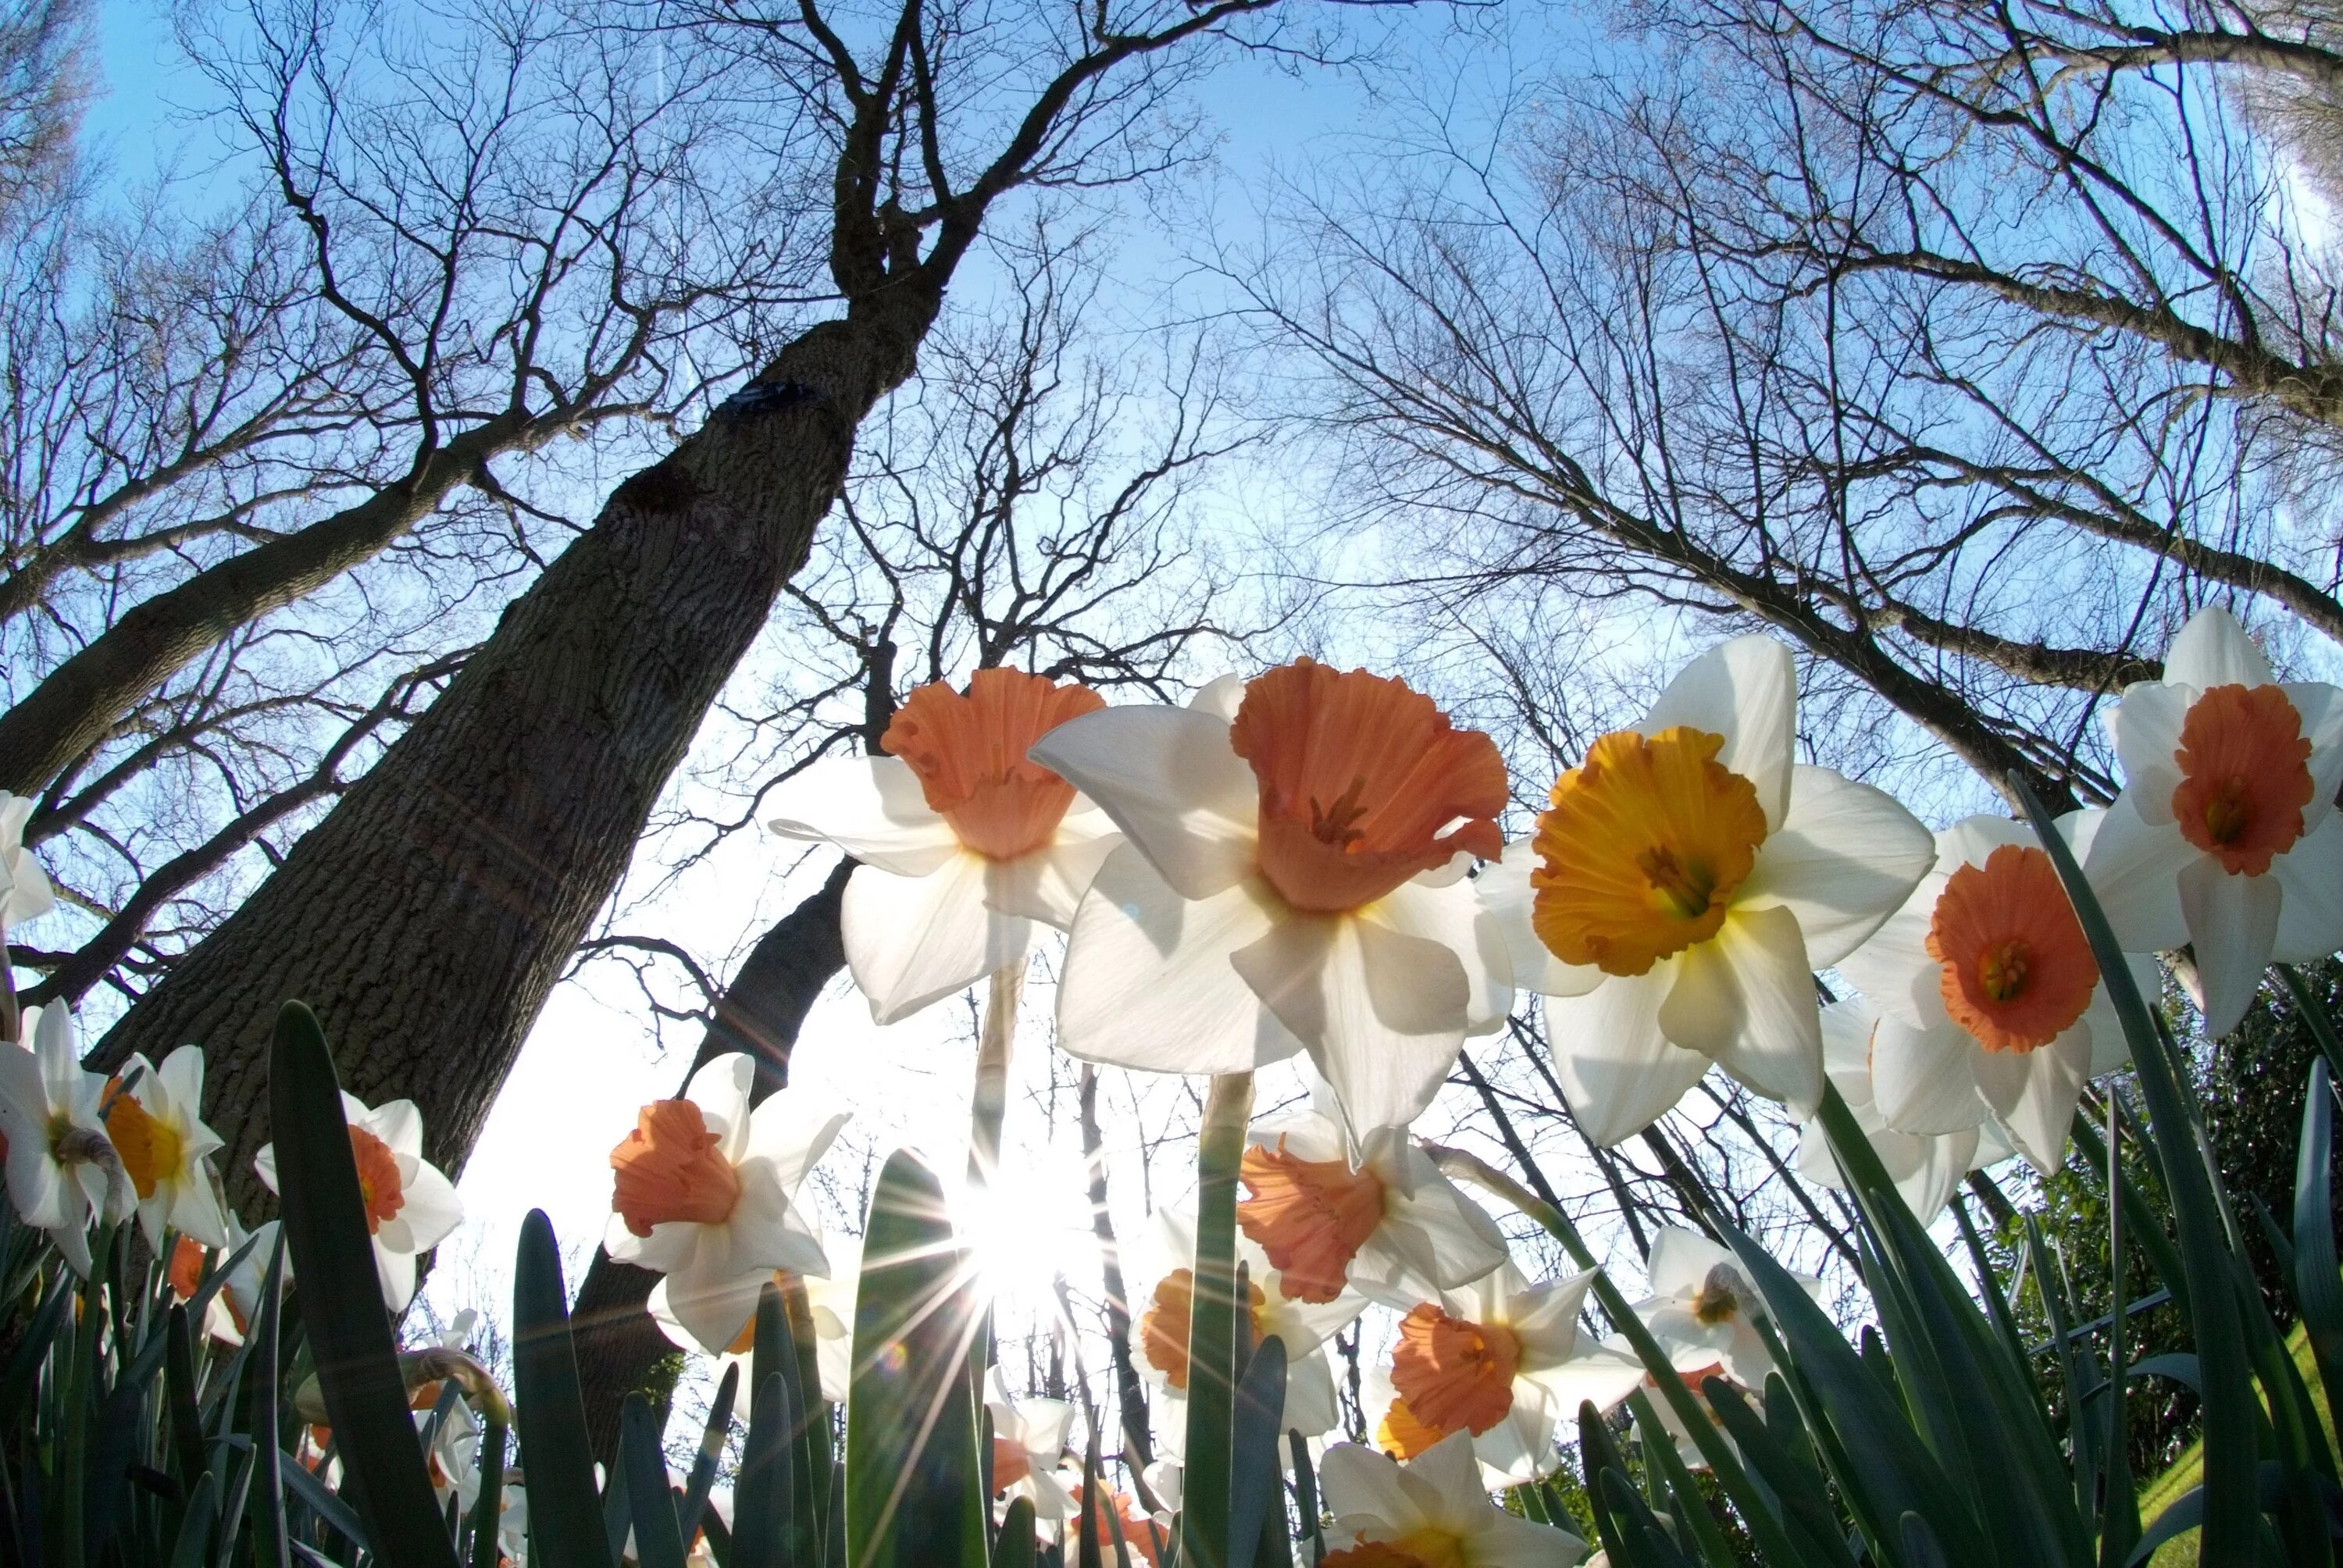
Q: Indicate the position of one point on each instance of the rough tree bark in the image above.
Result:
(761, 1014)
(428, 916)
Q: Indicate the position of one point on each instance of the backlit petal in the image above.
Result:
(1845, 858)
(1381, 1012)
(914, 940)
(431, 1209)
(2320, 708)
(2134, 868)
(1617, 1070)
(1169, 780)
(1504, 892)
(870, 807)
(2036, 1093)
(2213, 650)
(2146, 727)
(1747, 691)
(1747, 1000)
(2310, 914)
(1047, 884)
(1893, 969)
(1922, 1080)
(2232, 926)
(1450, 915)
(1148, 983)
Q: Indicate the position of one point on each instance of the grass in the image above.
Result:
(2160, 1493)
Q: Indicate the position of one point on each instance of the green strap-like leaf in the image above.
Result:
(712, 1439)
(1015, 1548)
(565, 1514)
(1255, 1489)
(913, 1488)
(325, 1231)
(657, 1544)
(2317, 1287)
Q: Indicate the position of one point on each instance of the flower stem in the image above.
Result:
(989, 1102)
(1211, 1324)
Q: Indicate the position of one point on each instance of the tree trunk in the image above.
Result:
(75, 706)
(761, 1014)
(429, 914)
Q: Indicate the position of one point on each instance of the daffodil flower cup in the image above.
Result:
(1988, 998)
(410, 1206)
(967, 849)
(1690, 877)
(704, 1193)
(2225, 835)
(1293, 880)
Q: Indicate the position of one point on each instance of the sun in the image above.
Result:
(1028, 1229)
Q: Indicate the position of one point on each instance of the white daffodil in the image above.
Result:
(964, 844)
(706, 1194)
(152, 1118)
(63, 1170)
(1430, 1512)
(2225, 835)
(1304, 1326)
(1294, 879)
(237, 1302)
(410, 1207)
(829, 1301)
(1704, 1311)
(1989, 1000)
(1392, 1227)
(1029, 1440)
(25, 892)
(1692, 877)
(1497, 1359)
(1924, 1167)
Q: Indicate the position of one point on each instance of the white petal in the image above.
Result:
(1047, 884)
(914, 940)
(1604, 1375)
(1148, 983)
(1221, 697)
(1846, 857)
(1506, 896)
(1171, 783)
(431, 1209)
(792, 1135)
(1617, 1070)
(2213, 650)
(2146, 726)
(1923, 1080)
(1310, 1404)
(2134, 868)
(710, 1313)
(1893, 969)
(2232, 926)
(25, 892)
(1972, 840)
(1746, 997)
(1745, 690)
(1360, 1483)
(1449, 914)
(1383, 1013)
(1507, 1542)
(870, 807)
(1681, 1260)
(398, 1123)
(1460, 1242)
(2320, 708)
(721, 1090)
(396, 1271)
(2035, 1092)
(2310, 876)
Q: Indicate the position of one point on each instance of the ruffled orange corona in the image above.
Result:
(1311, 1216)
(186, 1270)
(2244, 775)
(1163, 1327)
(1641, 853)
(2016, 969)
(150, 1148)
(668, 1169)
(1455, 1376)
(1364, 783)
(1011, 1463)
(1402, 1435)
(378, 1183)
(969, 755)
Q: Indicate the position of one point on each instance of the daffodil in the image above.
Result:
(237, 1302)
(1029, 1440)
(63, 1170)
(2226, 835)
(1303, 1326)
(965, 845)
(152, 1117)
(1703, 1310)
(410, 1207)
(1429, 1513)
(1293, 879)
(1391, 1227)
(706, 1194)
(25, 892)
(1493, 1358)
(829, 1303)
(1690, 878)
(1925, 1168)
(1988, 998)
